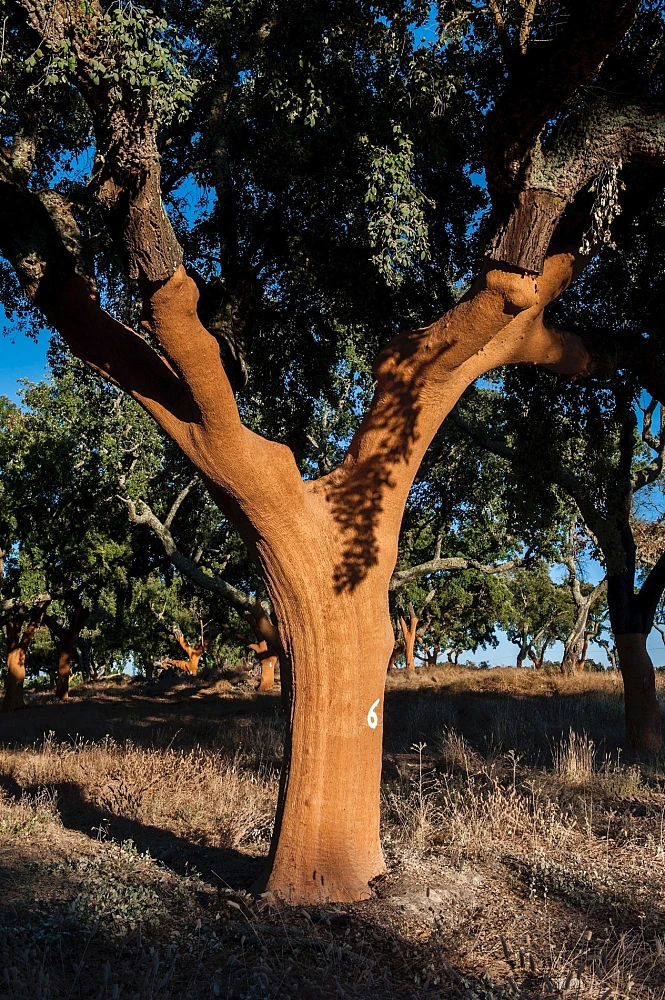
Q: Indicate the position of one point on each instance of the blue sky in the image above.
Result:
(20, 357)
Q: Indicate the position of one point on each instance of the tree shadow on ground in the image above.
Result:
(218, 866)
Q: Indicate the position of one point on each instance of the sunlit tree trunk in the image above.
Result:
(409, 636)
(19, 639)
(326, 548)
(66, 636)
(268, 662)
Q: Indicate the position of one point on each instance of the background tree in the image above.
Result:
(592, 452)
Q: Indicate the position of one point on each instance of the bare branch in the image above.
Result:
(177, 503)
(449, 564)
(141, 513)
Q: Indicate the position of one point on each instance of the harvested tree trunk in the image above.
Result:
(268, 662)
(64, 668)
(395, 655)
(409, 634)
(194, 654)
(13, 698)
(18, 643)
(326, 548)
(66, 636)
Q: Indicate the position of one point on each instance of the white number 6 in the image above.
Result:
(372, 718)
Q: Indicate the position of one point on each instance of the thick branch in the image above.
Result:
(448, 564)
(591, 145)
(421, 374)
(541, 83)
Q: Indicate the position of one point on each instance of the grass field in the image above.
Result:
(526, 850)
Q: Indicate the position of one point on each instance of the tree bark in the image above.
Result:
(13, 699)
(409, 633)
(18, 643)
(398, 649)
(631, 617)
(326, 548)
(326, 842)
(64, 667)
(573, 651)
(66, 636)
(643, 724)
(268, 662)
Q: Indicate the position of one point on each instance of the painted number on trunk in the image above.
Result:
(372, 717)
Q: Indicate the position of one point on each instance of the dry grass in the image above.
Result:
(200, 795)
(526, 855)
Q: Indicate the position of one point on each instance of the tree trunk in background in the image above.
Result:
(398, 649)
(66, 636)
(409, 633)
(643, 725)
(631, 618)
(18, 643)
(326, 548)
(522, 654)
(13, 698)
(268, 662)
(64, 667)
(574, 652)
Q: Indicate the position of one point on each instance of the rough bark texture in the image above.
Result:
(64, 669)
(13, 698)
(396, 653)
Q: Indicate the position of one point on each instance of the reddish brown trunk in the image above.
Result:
(13, 699)
(194, 654)
(409, 633)
(326, 843)
(17, 647)
(268, 663)
(326, 548)
(643, 725)
(64, 668)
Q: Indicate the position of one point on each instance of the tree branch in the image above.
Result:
(448, 564)
(590, 144)
(236, 597)
(654, 470)
(177, 503)
(541, 83)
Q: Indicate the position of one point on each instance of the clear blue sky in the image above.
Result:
(20, 357)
